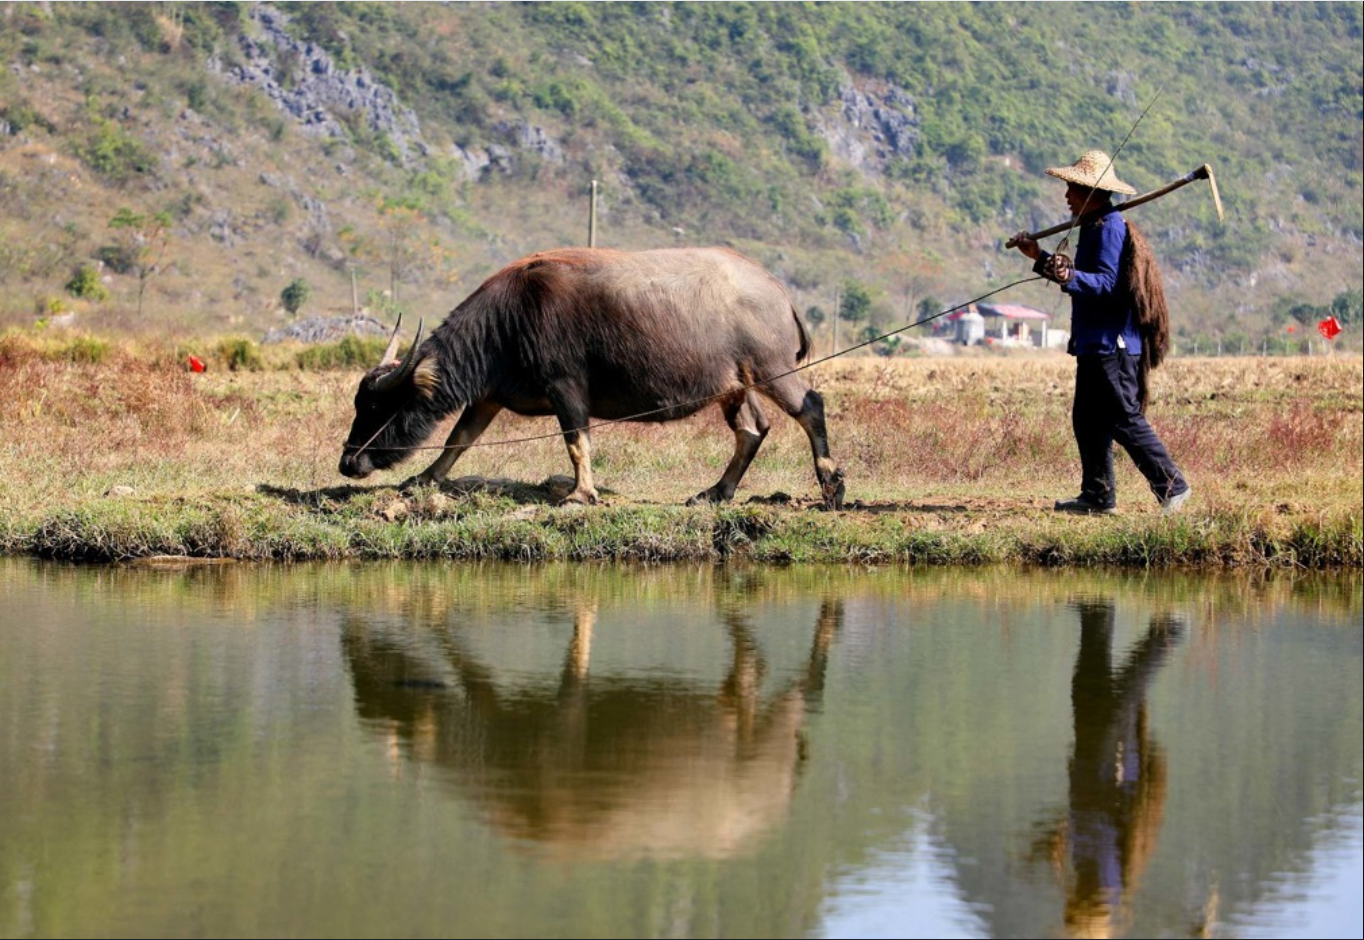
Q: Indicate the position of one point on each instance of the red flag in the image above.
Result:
(1330, 328)
(196, 364)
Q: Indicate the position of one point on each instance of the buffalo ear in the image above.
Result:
(426, 376)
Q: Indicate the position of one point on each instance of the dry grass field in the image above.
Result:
(115, 451)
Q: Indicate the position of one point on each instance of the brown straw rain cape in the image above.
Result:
(1141, 278)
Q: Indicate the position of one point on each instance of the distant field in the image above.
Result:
(117, 451)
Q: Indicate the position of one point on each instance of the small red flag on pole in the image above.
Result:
(1330, 328)
(196, 364)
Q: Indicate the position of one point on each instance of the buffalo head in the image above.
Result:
(388, 413)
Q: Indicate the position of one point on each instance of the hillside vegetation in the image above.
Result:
(178, 166)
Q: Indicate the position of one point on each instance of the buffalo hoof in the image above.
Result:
(832, 490)
(713, 495)
(416, 482)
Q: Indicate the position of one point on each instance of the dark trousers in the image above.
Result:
(1105, 411)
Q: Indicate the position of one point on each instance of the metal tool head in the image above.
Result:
(1206, 172)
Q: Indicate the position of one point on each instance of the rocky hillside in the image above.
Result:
(177, 166)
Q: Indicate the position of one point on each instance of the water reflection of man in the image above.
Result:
(1117, 774)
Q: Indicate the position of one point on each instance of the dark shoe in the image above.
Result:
(1171, 504)
(1084, 506)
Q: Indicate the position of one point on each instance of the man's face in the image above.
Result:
(1076, 195)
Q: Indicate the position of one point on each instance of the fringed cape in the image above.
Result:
(1141, 278)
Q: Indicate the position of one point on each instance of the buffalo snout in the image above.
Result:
(356, 468)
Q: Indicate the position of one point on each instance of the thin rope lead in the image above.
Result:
(710, 398)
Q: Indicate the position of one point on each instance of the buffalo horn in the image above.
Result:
(392, 349)
(399, 375)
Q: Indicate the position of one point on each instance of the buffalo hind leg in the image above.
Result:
(806, 406)
(749, 424)
(472, 422)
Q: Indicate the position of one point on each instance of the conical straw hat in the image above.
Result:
(1093, 169)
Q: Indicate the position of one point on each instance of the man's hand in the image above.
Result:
(1058, 268)
(1026, 245)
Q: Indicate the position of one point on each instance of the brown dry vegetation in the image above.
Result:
(955, 459)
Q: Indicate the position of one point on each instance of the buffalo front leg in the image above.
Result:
(473, 422)
(739, 695)
(574, 422)
(749, 424)
(806, 406)
(571, 724)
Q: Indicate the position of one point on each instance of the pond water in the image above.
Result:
(570, 751)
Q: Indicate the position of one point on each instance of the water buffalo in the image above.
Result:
(595, 333)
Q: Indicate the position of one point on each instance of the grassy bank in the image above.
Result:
(111, 452)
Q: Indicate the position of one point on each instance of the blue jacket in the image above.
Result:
(1100, 307)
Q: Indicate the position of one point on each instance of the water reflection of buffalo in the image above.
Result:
(611, 766)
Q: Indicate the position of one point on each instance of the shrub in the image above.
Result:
(117, 258)
(295, 295)
(46, 305)
(856, 303)
(240, 355)
(85, 283)
(85, 349)
(21, 116)
(349, 352)
(1348, 307)
(114, 154)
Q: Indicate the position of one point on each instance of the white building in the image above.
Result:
(969, 327)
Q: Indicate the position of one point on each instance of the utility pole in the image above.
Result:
(592, 218)
(838, 291)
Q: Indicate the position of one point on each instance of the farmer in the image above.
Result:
(1119, 332)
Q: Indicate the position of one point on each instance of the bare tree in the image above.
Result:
(146, 241)
(404, 246)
